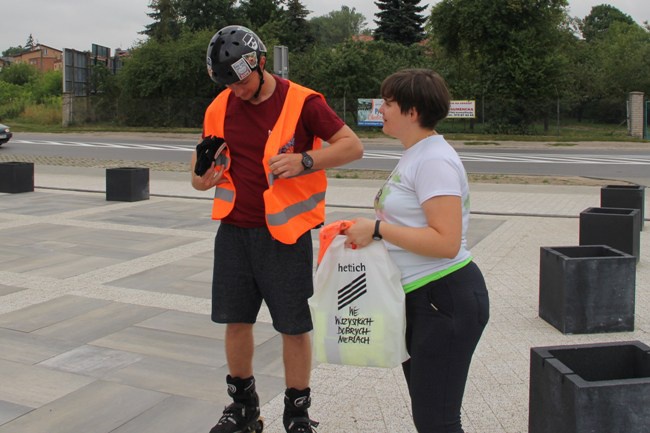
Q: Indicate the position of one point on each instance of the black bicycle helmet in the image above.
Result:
(233, 54)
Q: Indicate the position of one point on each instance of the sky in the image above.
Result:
(78, 24)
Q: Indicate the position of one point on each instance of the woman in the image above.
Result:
(422, 215)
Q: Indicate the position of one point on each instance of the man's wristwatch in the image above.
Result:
(376, 236)
(307, 161)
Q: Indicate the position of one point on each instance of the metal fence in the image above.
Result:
(646, 127)
(552, 117)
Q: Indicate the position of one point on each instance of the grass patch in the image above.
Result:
(480, 143)
(41, 114)
(29, 125)
(346, 173)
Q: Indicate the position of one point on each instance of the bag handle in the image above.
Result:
(328, 233)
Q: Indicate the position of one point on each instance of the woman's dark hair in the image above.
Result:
(422, 89)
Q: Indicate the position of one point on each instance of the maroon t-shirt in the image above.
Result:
(247, 128)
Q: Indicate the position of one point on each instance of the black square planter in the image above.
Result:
(615, 227)
(16, 177)
(587, 289)
(624, 196)
(590, 388)
(127, 184)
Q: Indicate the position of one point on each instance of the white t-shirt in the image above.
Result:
(427, 169)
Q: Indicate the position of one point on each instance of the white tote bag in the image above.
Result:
(358, 307)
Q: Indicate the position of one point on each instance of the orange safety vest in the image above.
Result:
(293, 205)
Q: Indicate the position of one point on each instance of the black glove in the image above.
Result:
(205, 153)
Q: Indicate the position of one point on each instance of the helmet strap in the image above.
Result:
(259, 88)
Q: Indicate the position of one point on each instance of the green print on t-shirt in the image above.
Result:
(385, 190)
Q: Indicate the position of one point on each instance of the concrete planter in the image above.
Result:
(590, 388)
(587, 289)
(615, 227)
(624, 196)
(127, 184)
(16, 177)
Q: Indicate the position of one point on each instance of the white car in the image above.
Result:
(5, 134)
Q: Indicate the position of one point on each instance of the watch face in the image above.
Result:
(307, 160)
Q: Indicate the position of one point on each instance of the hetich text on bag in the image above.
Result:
(352, 267)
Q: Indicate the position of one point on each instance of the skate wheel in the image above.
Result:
(260, 426)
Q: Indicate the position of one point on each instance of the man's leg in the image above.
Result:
(283, 274)
(297, 360)
(239, 349)
(244, 412)
(297, 370)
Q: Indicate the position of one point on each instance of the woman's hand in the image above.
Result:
(360, 233)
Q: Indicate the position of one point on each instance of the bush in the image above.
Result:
(47, 113)
(19, 74)
(47, 85)
(12, 100)
(11, 110)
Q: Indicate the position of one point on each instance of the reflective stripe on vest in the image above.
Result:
(224, 192)
(293, 205)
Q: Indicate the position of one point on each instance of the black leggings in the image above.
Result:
(444, 322)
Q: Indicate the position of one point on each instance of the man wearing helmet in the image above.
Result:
(269, 186)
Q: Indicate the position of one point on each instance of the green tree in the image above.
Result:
(337, 26)
(400, 21)
(166, 23)
(353, 69)
(102, 81)
(602, 71)
(19, 74)
(621, 61)
(30, 44)
(601, 19)
(13, 51)
(516, 47)
(259, 12)
(296, 31)
(208, 14)
(166, 83)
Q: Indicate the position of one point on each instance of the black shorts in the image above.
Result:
(251, 266)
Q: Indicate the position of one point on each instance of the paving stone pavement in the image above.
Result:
(104, 323)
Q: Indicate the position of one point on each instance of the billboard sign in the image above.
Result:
(368, 112)
(100, 54)
(75, 72)
(462, 110)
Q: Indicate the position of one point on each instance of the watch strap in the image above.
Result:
(376, 235)
(310, 161)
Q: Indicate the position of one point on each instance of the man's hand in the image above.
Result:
(206, 151)
(210, 178)
(205, 173)
(285, 165)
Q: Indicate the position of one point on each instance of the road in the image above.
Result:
(621, 162)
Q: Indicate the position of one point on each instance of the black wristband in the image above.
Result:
(376, 235)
